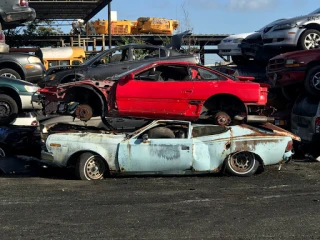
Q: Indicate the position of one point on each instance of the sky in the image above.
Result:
(212, 16)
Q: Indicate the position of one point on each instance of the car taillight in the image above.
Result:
(289, 146)
(317, 125)
(34, 123)
(24, 3)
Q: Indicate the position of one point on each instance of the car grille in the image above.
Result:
(276, 64)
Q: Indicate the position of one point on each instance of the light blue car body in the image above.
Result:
(203, 149)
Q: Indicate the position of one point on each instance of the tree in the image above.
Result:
(20, 36)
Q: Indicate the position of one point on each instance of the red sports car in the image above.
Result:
(165, 90)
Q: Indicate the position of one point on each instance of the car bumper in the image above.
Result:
(47, 158)
(287, 155)
(19, 15)
(282, 38)
(28, 103)
(229, 50)
(286, 76)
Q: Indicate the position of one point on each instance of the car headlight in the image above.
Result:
(238, 40)
(285, 26)
(292, 63)
(33, 59)
(31, 89)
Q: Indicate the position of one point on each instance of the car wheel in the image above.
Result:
(242, 164)
(10, 73)
(161, 132)
(291, 92)
(312, 82)
(222, 119)
(90, 167)
(309, 39)
(8, 109)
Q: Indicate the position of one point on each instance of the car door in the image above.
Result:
(113, 62)
(170, 155)
(148, 95)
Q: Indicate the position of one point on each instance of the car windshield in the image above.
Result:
(118, 76)
(270, 24)
(95, 57)
(315, 12)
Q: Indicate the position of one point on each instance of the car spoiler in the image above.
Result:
(176, 40)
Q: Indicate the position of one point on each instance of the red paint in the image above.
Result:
(181, 99)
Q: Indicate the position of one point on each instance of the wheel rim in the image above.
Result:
(5, 109)
(316, 81)
(312, 41)
(95, 168)
(9, 75)
(2, 153)
(242, 162)
(223, 120)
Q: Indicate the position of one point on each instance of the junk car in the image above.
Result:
(170, 147)
(163, 90)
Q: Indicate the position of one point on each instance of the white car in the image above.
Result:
(170, 147)
(230, 45)
(26, 119)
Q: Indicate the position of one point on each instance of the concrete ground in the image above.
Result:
(49, 204)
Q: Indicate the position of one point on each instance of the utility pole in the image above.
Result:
(109, 24)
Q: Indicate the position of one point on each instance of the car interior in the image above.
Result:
(165, 73)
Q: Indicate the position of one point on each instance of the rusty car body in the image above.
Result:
(178, 147)
(165, 90)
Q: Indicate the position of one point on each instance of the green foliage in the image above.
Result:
(20, 36)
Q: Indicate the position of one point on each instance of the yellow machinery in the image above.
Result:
(141, 26)
(117, 27)
(155, 25)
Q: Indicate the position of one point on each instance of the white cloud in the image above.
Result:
(251, 4)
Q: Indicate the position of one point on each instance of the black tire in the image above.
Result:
(8, 109)
(291, 92)
(91, 167)
(242, 164)
(222, 119)
(311, 82)
(302, 44)
(160, 132)
(10, 73)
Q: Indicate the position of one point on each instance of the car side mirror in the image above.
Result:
(145, 137)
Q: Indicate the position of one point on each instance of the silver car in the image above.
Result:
(300, 32)
(305, 122)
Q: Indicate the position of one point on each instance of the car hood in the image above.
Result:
(296, 19)
(295, 54)
(256, 35)
(12, 81)
(53, 70)
(236, 36)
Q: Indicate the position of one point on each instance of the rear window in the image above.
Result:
(305, 107)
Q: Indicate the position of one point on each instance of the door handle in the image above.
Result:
(187, 91)
(125, 68)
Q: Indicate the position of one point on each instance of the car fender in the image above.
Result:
(6, 61)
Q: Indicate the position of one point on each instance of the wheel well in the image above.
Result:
(312, 64)
(68, 78)
(13, 66)
(87, 95)
(224, 102)
(12, 93)
(313, 26)
(72, 161)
